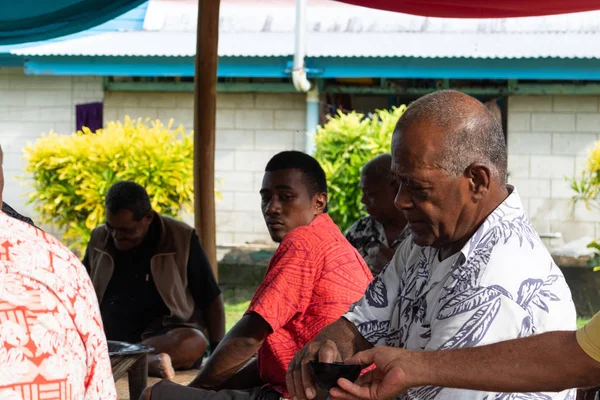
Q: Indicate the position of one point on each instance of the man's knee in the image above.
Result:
(189, 337)
(192, 346)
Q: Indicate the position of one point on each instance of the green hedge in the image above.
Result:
(343, 145)
(72, 173)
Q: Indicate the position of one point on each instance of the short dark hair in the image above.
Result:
(312, 172)
(128, 195)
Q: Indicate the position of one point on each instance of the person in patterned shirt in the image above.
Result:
(312, 279)
(52, 345)
(473, 271)
(377, 235)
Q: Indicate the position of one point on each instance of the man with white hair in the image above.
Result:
(473, 271)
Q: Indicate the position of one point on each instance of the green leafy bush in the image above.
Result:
(72, 173)
(343, 145)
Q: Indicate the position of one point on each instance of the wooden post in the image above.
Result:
(205, 107)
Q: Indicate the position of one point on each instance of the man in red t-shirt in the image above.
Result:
(313, 278)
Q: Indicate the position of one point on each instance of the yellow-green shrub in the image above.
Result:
(343, 145)
(586, 187)
(72, 173)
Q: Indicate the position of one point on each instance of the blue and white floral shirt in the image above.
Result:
(503, 284)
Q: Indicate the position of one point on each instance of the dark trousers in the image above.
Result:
(167, 390)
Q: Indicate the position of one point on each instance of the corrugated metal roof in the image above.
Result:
(265, 29)
(273, 44)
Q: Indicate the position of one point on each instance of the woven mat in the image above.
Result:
(181, 377)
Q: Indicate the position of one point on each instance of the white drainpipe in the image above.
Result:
(299, 79)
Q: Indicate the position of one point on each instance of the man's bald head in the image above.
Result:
(470, 132)
(379, 167)
(379, 190)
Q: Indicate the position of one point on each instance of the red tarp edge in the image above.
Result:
(480, 8)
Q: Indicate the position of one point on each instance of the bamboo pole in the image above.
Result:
(205, 107)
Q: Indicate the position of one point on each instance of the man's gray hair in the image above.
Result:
(473, 133)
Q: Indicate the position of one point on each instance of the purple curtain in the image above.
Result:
(89, 115)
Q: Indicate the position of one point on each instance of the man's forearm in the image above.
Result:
(247, 377)
(551, 361)
(235, 350)
(215, 316)
(345, 335)
(232, 354)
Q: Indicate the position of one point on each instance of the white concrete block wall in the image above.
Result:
(548, 141)
(30, 105)
(251, 128)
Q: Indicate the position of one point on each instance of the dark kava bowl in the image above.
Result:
(326, 375)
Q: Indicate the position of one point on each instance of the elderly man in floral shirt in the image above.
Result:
(473, 271)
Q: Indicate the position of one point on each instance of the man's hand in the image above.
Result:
(299, 381)
(386, 381)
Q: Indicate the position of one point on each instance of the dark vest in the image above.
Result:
(168, 266)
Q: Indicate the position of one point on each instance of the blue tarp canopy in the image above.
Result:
(34, 20)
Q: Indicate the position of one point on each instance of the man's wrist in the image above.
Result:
(419, 368)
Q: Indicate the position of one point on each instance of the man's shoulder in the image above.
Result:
(320, 227)
(522, 268)
(300, 237)
(174, 223)
(316, 239)
(29, 245)
(360, 225)
(505, 253)
(508, 242)
(98, 234)
(99, 229)
(15, 231)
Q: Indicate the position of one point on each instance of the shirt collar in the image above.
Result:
(11, 212)
(509, 209)
(378, 228)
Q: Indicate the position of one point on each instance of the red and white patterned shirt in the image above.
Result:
(313, 278)
(52, 345)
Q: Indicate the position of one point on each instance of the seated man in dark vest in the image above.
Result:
(153, 282)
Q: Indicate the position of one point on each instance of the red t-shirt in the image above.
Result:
(313, 278)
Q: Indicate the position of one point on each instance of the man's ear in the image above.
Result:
(320, 202)
(480, 179)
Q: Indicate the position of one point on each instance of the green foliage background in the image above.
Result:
(343, 145)
(72, 173)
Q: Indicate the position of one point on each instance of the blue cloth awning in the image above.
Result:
(34, 20)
